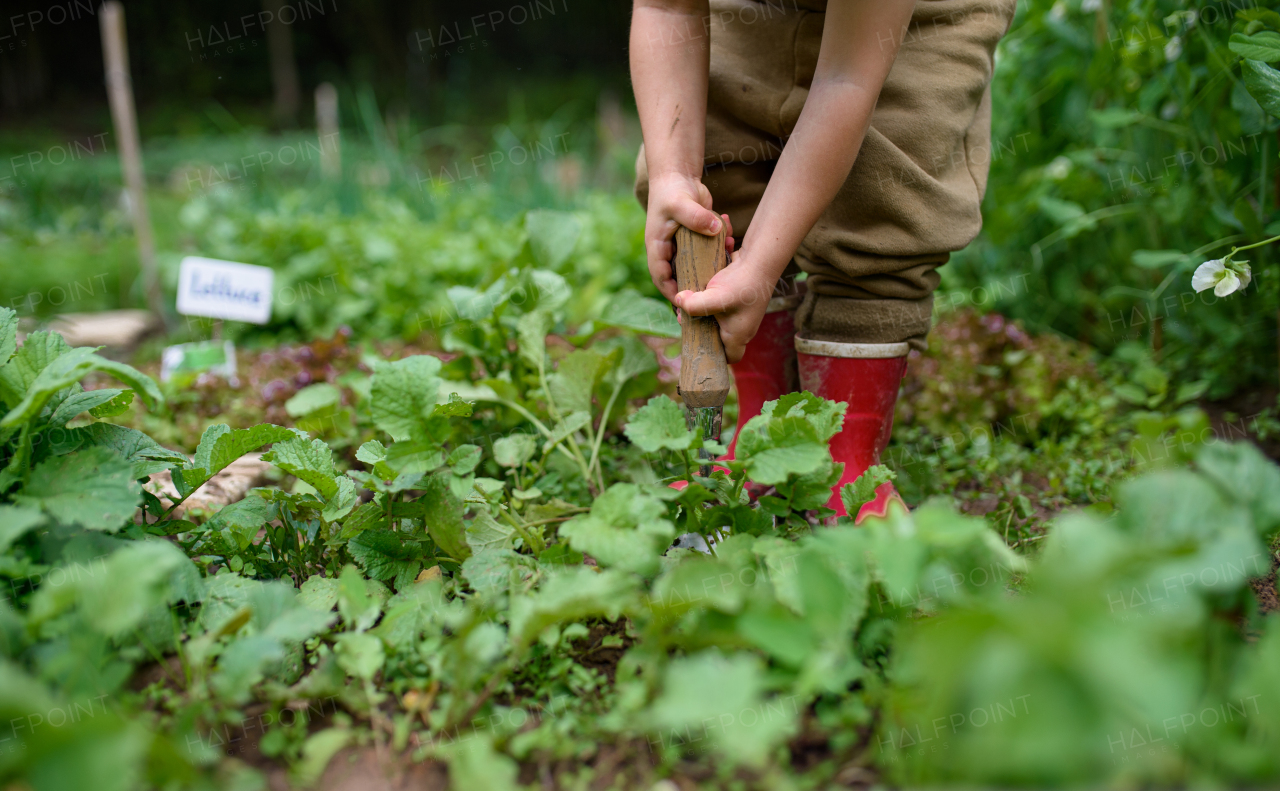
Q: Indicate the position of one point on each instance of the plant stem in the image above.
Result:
(556, 518)
(554, 409)
(1235, 250)
(489, 689)
(527, 415)
(604, 421)
(531, 540)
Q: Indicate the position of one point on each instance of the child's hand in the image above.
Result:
(675, 200)
(738, 296)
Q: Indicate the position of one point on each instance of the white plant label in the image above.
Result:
(225, 290)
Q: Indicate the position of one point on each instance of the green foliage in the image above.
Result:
(1116, 645)
(1129, 146)
(480, 590)
(401, 268)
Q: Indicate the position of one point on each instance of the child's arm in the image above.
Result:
(670, 61)
(860, 40)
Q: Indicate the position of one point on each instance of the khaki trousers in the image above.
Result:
(914, 194)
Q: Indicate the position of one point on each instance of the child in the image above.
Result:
(847, 139)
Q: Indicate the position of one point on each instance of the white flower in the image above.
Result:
(1058, 12)
(1173, 50)
(1089, 6)
(1243, 272)
(1223, 279)
(1058, 169)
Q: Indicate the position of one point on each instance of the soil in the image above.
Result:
(1231, 419)
(1265, 589)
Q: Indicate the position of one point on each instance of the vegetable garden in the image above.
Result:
(456, 564)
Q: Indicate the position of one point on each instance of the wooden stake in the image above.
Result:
(327, 128)
(115, 56)
(284, 69)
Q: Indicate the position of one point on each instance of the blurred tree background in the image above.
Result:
(440, 62)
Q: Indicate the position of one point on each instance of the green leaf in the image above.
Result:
(778, 632)
(116, 406)
(83, 401)
(16, 521)
(514, 450)
(576, 593)
(443, 516)
(626, 528)
(863, 489)
(317, 751)
(404, 394)
(37, 352)
(574, 379)
(279, 621)
(371, 514)
(775, 447)
(1157, 259)
(774, 466)
(456, 406)
(572, 422)
(357, 604)
(551, 290)
(1262, 46)
(136, 579)
(313, 398)
(1248, 477)
(68, 369)
(1263, 83)
(1059, 211)
(311, 461)
(531, 337)
(474, 305)
(414, 457)
(485, 532)
(659, 424)
(813, 490)
(636, 358)
(93, 488)
(826, 417)
(708, 694)
(631, 310)
(464, 459)
(373, 453)
(361, 655)
(8, 334)
(203, 459)
(319, 593)
(552, 236)
(241, 520)
(1253, 120)
(342, 501)
(475, 765)
(146, 455)
(489, 572)
(384, 555)
(1114, 117)
(220, 445)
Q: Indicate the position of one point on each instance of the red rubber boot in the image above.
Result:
(866, 376)
(767, 371)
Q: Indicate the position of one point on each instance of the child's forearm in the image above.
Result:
(814, 165)
(821, 151)
(670, 60)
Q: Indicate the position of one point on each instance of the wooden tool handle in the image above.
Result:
(704, 371)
